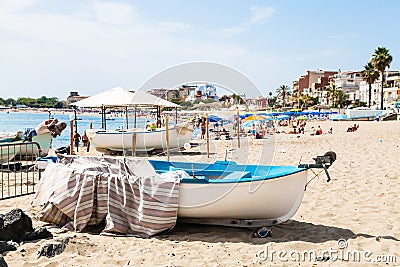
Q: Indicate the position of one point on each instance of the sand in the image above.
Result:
(359, 207)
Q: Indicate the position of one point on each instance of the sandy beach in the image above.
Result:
(359, 208)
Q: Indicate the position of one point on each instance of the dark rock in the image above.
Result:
(51, 249)
(14, 225)
(3, 263)
(7, 246)
(41, 233)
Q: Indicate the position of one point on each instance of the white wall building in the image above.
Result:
(349, 83)
(363, 92)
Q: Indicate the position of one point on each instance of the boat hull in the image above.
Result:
(145, 140)
(44, 141)
(226, 190)
(273, 199)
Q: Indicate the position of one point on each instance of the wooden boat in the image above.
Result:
(145, 140)
(226, 190)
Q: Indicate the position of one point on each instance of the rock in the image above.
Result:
(41, 233)
(14, 225)
(7, 246)
(51, 249)
(3, 263)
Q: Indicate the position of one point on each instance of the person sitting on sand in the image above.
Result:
(312, 131)
(330, 131)
(293, 131)
(353, 128)
(318, 131)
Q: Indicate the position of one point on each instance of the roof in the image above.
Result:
(118, 97)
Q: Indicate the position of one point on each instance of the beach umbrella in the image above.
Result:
(302, 118)
(282, 117)
(245, 115)
(214, 118)
(254, 118)
(250, 123)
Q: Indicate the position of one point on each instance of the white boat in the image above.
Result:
(225, 190)
(44, 140)
(146, 140)
(17, 144)
(200, 192)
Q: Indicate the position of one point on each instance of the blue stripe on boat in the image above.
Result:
(227, 172)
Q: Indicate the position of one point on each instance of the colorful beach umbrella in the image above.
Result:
(254, 118)
(302, 118)
(282, 117)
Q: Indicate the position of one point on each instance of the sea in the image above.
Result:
(20, 121)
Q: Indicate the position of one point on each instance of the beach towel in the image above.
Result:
(125, 193)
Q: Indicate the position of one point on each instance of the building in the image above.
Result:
(159, 92)
(74, 97)
(312, 83)
(349, 83)
(257, 103)
(375, 92)
(392, 90)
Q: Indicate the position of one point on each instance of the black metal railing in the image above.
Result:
(18, 170)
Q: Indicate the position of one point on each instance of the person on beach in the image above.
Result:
(318, 131)
(77, 139)
(85, 139)
(203, 128)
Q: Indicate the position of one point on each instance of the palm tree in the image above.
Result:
(370, 75)
(282, 92)
(339, 95)
(381, 60)
(306, 101)
(331, 93)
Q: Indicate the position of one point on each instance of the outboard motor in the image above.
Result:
(323, 162)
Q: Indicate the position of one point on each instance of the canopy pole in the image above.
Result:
(167, 137)
(135, 117)
(126, 117)
(238, 128)
(158, 120)
(133, 144)
(208, 137)
(176, 116)
(103, 121)
(71, 144)
(76, 127)
(76, 120)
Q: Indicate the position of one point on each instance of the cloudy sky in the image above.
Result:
(52, 47)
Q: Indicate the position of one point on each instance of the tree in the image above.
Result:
(370, 75)
(331, 93)
(381, 60)
(305, 101)
(339, 95)
(282, 92)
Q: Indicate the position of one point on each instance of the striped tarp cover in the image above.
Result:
(126, 193)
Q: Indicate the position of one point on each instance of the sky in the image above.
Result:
(53, 47)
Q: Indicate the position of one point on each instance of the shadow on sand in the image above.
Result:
(286, 232)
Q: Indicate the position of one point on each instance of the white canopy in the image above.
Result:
(120, 97)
